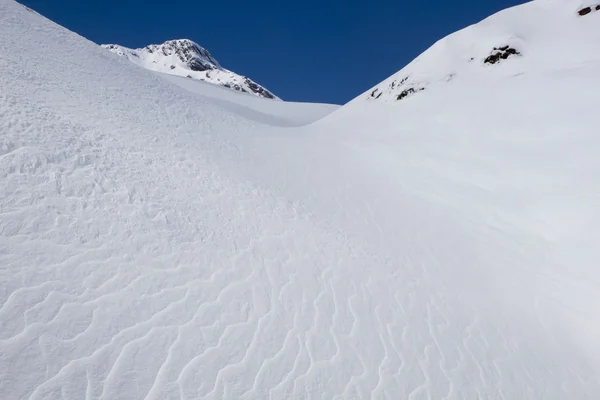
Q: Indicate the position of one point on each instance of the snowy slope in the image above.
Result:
(167, 245)
(279, 113)
(184, 57)
(529, 39)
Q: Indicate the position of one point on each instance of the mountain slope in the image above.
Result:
(516, 41)
(167, 245)
(185, 58)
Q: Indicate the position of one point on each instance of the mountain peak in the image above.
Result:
(188, 52)
(184, 57)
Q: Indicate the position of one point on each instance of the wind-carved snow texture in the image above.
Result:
(183, 244)
(183, 57)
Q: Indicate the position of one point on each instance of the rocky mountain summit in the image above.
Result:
(184, 57)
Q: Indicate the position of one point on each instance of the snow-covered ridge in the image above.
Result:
(184, 57)
(536, 36)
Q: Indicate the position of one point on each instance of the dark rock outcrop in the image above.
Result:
(259, 89)
(501, 53)
(585, 11)
(407, 92)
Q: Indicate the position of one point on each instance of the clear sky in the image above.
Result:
(313, 50)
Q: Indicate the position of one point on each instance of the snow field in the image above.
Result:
(163, 243)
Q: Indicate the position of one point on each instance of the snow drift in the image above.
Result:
(174, 244)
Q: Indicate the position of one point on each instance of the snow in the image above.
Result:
(266, 111)
(186, 58)
(166, 240)
(530, 28)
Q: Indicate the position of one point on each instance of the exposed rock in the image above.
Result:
(398, 89)
(256, 88)
(407, 92)
(195, 57)
(376, 94)
(184, 57)
(585, 11)
(501, 53)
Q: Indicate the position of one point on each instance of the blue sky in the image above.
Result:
(314, 50)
